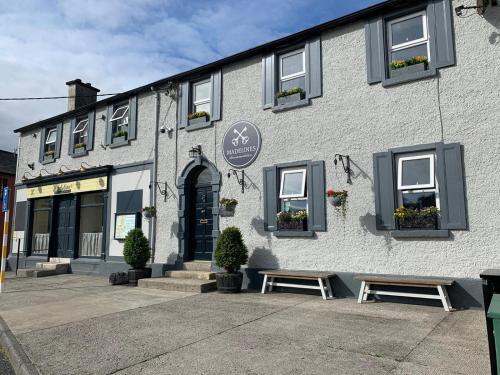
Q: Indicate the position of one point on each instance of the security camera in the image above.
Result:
(164, 129)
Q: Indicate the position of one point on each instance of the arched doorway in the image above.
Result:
(199, 186)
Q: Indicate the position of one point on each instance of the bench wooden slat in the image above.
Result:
(304, 275)
(403, 280)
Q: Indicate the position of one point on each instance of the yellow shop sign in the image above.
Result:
(71, 187)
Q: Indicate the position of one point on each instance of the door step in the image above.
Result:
(196, 275)
(43, 269)
(180, 285)
(197, 265)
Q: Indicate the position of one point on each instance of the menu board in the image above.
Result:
(124, 223)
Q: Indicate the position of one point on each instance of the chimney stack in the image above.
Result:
(80, 94)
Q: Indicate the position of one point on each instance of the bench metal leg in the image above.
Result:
(367, 291)
(361, 296)
(329, 287)
(271, 284)
(444, 297)
(264, 284)
(320, 281)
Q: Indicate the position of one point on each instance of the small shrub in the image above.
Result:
(287, 216)
(136, 250)
(408, 213)
(293, 90)
(80, 145)
(120, 133)
(230, 252)
(194, 115)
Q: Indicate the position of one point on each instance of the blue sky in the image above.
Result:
(121, 44)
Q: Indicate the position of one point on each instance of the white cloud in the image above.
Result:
(121, 44)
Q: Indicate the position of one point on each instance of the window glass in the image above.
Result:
(419, 200)
(204, 178)
(292, 64)
(292, 183)
(42, 203)
(407, 30)
(51, 136)
(294, 82)
(204, 107)
(119, 113)
(92, 198)
(416, 172)
(81, 126)
(408, 53)
(202, 91)
(294, 205)
(41, 227)
(91, 231)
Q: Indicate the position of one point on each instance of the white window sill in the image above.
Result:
(421, 233)
(291, 105)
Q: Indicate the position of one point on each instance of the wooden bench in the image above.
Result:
(367, 281)
(323, 279)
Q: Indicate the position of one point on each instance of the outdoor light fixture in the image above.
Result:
(195, 152)
(346, 166)
(83, 167)
(24, 178)
(31, 166)
(163, 191)
(43, 170)
(61, 172)
(480, 6)
(241, 181)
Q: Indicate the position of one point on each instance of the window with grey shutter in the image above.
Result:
(132, 118)
(270, 198)
(71, 143)
(383, 187)
(216, 96)
(382, 44)
(316, 195)
(90, 131)
(314, 81)
(57, 153)
(183, 104)
(451, 186)
(43, 136)
(109, 125)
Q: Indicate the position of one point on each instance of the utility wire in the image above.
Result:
(56, 97)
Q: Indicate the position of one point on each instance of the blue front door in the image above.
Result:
(201, 241)
(65, 227)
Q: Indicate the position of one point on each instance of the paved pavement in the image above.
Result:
(72, 324)
(5, 367)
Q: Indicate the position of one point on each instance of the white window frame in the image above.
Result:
(282, 182)
(432, 175)
(51, 131)
(204, 100)
(413, 43)
(84, 127)
(123, 117)
(294, 75)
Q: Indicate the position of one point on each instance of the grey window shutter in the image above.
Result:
(375, 53)
(132, 118)
(383, 187)
(441, 33)
(216, 103)
(90, 131)
(20, 216)
(313, 68)
(183, 105)
(71, 143)
(109, 125)
(57, 153)
(451, 186)
(43, 136)
(268, 81)
(270, 198)
(316, 195)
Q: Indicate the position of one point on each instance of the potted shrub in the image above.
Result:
(136, 253)
(414, 218)
(198, 117)
(227, 206)
(292, 221)
(120, 136)
(414, 65)
(49, 155)
(230, 254)
(149, 212)
(80, 148)
(291, 95)
(338, 199)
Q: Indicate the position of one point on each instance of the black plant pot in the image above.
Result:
(229, 282)
(429, 222)
(412, 69)
(135, 274)
(292, 225)
(291, 98)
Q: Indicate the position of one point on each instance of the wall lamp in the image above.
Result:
(84, 166)
(24, 178)
(61, 172)
(195, 152)
(164, 191)
(241, 181)
(346, 166)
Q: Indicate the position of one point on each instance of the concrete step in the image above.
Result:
(36, 272)
(60, 260)
(198, 275)
(59, 267)
(197, 265)
(180, 285)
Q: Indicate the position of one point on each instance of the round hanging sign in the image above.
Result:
(241, 144)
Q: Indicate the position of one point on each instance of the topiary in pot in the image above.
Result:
(230, 254)
(136, 253)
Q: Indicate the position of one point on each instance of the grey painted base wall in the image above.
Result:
(464, 294)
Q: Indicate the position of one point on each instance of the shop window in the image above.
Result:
(420, 179)
(91, 224)
(292, 76)
(292, 190)
(199, 101)
(41, 226)
(410, 44)
(121, 122)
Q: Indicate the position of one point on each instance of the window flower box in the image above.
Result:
(198, 118)
(120, 137)
(297, 226)
(48, 156)
(227, 207)
(292, 95)
(80, 149)
(411, 219)
(411, 66)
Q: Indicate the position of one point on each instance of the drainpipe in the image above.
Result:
(155, 172)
